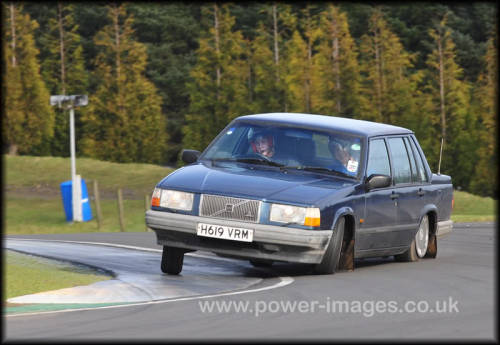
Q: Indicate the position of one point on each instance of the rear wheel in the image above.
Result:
(332, 254)
(172, 260)
(419, 245)
(261, 263)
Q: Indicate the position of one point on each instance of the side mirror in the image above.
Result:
(190, 156)
(378, 181)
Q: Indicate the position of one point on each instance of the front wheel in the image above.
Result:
(419, 245)
(332, 254)
(172, 260)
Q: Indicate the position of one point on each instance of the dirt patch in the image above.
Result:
(9, 305)
(33, 192)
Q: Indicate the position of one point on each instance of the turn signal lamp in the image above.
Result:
(155, 200)
(312, 217)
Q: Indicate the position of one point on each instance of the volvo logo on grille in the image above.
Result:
(229, 207)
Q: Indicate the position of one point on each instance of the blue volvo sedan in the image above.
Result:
(303, 188)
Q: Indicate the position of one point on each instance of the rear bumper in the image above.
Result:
(444, 228)
(269, 242)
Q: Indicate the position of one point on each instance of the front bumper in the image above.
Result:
(270, 242)
(444, 228)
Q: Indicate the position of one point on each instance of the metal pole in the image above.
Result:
(72, 142)
(76, 186)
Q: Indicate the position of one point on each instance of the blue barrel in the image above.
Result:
(66, 199)
(86, 211)
(66, 192)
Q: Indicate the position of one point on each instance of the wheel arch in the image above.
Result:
(432, 247)
(346, 261)
(431, 212)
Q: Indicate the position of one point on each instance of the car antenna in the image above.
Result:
(440, 155)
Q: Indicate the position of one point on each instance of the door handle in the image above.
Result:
(394, 195)
(420, 192)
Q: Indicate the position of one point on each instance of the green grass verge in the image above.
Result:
(472, 208)
(28, 171)
(26, 274)
(42, 216)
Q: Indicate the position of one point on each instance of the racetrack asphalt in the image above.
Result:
(461, 281)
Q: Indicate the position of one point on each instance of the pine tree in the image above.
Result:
(388, 90)
(336, 73)
(64, 72)
(123, 121)
(266, 87)
(299, 72)
(267, 58)
(296, 77)
(219, 91)
(28, 116)
(170, 32)
(448, 107)
(486, 106)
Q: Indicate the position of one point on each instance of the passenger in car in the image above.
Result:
(342, 159)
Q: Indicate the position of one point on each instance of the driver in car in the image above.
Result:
(263, 144)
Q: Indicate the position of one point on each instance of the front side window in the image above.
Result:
(378, 158)
(400, 161)
(288, 146)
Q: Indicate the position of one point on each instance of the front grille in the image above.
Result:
(216, 206)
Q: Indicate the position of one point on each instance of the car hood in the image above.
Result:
(255, 182)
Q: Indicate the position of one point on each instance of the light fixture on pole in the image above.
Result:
(70, 102)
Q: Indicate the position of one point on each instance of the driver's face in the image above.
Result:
(263, 146)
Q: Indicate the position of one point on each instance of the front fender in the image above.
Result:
(343, 211)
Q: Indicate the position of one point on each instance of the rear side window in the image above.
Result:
(422, 174)
(414, 172)
(400, 162)
(378, 159)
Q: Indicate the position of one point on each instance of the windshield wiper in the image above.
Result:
(259, 161)
(216, 160)
(222, 160)
(320, 169)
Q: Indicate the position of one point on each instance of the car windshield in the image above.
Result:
(288, 148)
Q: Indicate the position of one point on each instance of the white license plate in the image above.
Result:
(224, 232)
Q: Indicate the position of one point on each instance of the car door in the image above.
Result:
(377, 229)
(408, 200)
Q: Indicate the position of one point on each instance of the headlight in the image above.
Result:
(292, 214)
(172, 199)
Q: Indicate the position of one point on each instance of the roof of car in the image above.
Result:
(359, 127)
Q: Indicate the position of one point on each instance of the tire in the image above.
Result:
(172, 260)
(432, 248)
(419, 244)
(261, 263)
(331, 257)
